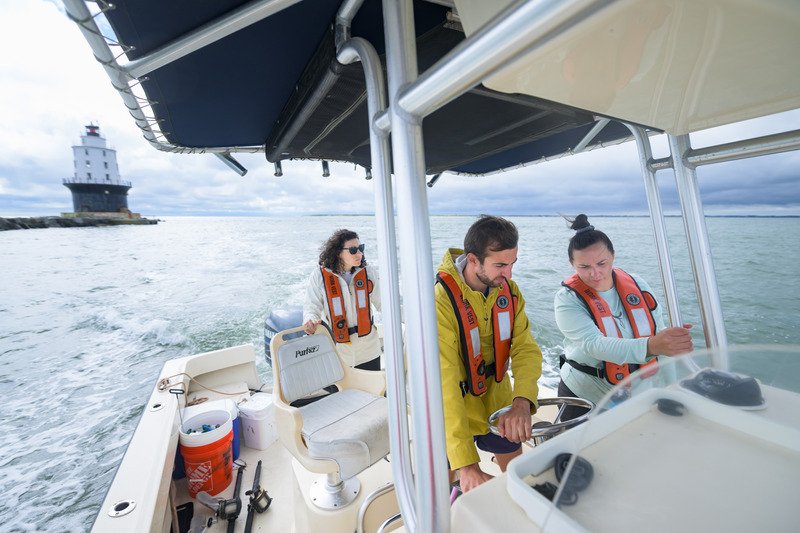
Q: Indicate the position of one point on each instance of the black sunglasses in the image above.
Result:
(355, 249)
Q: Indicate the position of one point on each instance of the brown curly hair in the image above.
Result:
(330, 250)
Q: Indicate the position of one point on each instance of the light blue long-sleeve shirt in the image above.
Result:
(584, 342)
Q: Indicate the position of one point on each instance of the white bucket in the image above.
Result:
(258, 421)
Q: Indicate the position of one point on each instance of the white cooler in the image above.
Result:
(257, 415)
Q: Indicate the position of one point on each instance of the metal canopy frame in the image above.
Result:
(684, 160)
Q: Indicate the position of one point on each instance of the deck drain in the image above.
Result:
(121, 508)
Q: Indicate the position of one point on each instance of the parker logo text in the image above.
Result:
(305, 351)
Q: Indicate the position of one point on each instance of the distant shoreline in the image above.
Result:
(7, 224)
(318, 215)
(618, 216)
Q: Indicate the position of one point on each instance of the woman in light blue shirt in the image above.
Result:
(606, 335)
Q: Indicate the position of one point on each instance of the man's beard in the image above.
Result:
(486, 281)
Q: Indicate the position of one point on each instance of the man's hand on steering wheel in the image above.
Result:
(497, 420)
(515, 425)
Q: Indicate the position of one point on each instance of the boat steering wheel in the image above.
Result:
(548, 429)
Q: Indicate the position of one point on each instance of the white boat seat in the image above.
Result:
(343, 433)
(307, 364)
(350, 427)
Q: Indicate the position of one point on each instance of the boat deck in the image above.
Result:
(282, 476)
(276, 468)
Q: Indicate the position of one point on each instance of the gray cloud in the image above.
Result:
(55, 87)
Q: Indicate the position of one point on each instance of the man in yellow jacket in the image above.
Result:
(472, 302)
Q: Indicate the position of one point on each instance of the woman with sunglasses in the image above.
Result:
(339, 292)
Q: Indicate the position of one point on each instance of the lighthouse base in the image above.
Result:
(123, 214)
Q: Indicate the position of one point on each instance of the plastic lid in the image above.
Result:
(256, 403)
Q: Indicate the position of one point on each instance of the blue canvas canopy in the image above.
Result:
(276, 85)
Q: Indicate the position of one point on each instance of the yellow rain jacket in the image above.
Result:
(465, 416)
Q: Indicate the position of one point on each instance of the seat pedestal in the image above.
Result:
(330, 492)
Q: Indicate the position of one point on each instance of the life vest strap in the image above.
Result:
(354, 329)
(586, 369)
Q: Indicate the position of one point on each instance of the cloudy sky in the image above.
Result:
(50, 87)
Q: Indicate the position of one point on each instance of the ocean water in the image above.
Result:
(89, 315)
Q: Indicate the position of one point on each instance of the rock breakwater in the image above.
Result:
(69, 222)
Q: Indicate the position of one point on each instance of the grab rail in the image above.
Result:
(659, 230)
(374, 495)
(705, 279)
(414, 235)
(388, 522)
(657, 219)
(360, 49)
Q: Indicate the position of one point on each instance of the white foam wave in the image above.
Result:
(157, 330)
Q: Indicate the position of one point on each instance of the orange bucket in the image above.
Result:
(206, 444)
(209, 467)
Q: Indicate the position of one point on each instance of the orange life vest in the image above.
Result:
(333, 292)
(502, 326)
(638, 306)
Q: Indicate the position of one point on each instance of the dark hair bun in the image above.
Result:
(581, 221)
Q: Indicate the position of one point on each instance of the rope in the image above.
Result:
(165, 383)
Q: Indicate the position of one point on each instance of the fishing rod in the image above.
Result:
(225, 509)
(236, 491)
(259, 500)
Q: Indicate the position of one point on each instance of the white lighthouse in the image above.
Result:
(94, 161)
(96, 185)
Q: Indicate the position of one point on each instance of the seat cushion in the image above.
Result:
(350, 427)
(307, 364)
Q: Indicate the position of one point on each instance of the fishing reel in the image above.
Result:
(223, 509)
(259, 500)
